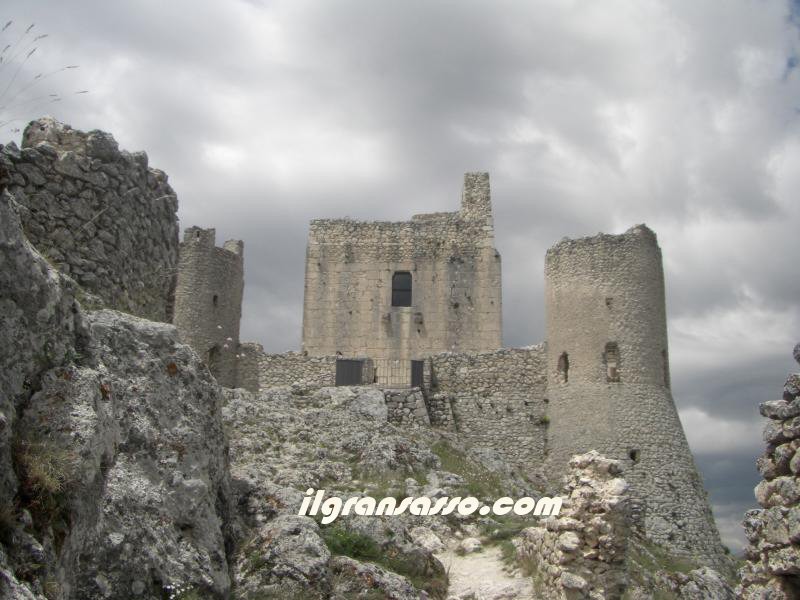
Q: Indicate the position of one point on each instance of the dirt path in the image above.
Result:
(482, 576)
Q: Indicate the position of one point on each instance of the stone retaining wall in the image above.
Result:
(406, 407)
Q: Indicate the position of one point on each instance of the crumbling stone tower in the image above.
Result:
(208, 300)
(609, 384)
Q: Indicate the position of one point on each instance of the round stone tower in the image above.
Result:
(609, 384)
(208, 300)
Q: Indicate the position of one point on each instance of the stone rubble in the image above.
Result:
(582, 552)
(772, 569)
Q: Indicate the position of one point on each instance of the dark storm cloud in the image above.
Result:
(590, 118)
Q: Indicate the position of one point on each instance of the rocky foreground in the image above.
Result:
(127, 472)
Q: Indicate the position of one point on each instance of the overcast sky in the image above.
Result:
(590, 116)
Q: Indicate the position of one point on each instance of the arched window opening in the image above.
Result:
(612, 362)
(563, 367)
(401, 288)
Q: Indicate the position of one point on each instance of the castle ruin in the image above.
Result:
(413, 302)
(600, 381)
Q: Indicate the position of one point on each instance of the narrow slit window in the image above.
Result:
(215, 301)
(401, 289)
(213, 360)
(563, 367)
(612, 362)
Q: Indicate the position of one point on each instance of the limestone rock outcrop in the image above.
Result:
(340, 440)
(773, 531)
(113, 458)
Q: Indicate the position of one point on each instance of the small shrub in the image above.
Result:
(508, 553)
(46, 468)
(342, 542)
(51, 589)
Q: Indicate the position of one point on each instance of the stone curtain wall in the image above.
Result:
(297, 370)
(610, 289)
(772, 569)
(455, 270)
(496, 400)
(582, 552)
(98, 213)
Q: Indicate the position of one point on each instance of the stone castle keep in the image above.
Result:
(396, 304)
(405, 291)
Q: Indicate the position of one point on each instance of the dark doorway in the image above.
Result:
(348, 371)
(417, 373)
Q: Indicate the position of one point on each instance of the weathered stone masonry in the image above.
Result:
(290, 368)
(582, 552)
(608, 381)
(496, 400)
(455, 273)
(208, 300)
(98, 213)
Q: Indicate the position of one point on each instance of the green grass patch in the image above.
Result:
(646, 558)
(383, 485)
(504, 527)
(479, 481)
(343, 542)
(508, 553)
(651, 557)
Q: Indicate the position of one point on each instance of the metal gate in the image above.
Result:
(399, 372)
(348, 372)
